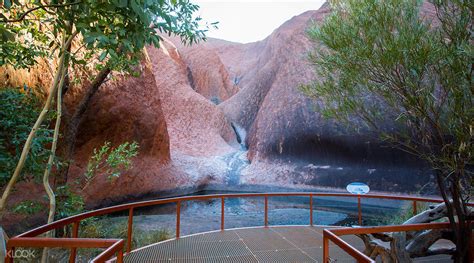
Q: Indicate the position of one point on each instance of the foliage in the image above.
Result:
(69, 203)
(384, 65)
(18, 112)
(21, 44)
(382, 60)
(83, 36)
(402, 216)
(110, 227)
(143, 238)
(111, 33)
(28, 207)
(111, 161)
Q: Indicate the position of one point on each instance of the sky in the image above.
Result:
(247, 21)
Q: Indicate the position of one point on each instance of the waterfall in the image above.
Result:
(237, 160)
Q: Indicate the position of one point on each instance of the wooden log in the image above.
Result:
(402, 247)
(419, 246)
(430, 215)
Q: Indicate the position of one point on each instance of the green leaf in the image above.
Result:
(102, 56)
(7, 4)
(123, 3)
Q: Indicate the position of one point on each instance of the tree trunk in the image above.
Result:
(456, 212)
(47, 171)
(73, 125)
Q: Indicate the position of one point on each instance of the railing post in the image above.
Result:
(360, 210)
(120, 256)
(266, 210)
(178, 217)
(311, 209)
(325, 248)
(222, 213)
(414, 208)
(130, 230)
(75, 233)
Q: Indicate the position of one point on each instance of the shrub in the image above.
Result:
(18, 113)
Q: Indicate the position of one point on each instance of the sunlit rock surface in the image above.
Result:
(195, 125)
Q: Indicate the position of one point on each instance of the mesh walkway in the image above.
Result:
(272, 244)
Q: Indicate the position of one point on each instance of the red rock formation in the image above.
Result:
(180, 132)
(195, 125)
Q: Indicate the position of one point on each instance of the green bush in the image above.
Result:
(405, 213)
(110, 227)
(69, 203)
(28, 207)
(111, 161)
(18, 113)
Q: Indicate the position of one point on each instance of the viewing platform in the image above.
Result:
(264, 243)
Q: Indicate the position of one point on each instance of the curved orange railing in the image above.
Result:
(334, 236)
(115, 246)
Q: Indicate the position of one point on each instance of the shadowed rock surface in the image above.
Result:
(128, 109)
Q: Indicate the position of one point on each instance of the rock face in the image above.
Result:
(195, 125)
(128, 109)
(206, 73)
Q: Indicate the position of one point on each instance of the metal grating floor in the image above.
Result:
(272, 244)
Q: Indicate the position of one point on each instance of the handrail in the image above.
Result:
(116, 248)
(334, 236)
(75, 220)
(113, 246)
(123, 207)
(355, 253)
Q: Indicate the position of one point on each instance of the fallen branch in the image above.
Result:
(403, 246)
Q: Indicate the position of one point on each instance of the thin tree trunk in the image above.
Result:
(73, 126)
(463, 225)
(36, 126)
(47, 171)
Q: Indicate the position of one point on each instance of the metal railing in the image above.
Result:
(115, 246)
(334, 236)
(112, 246)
